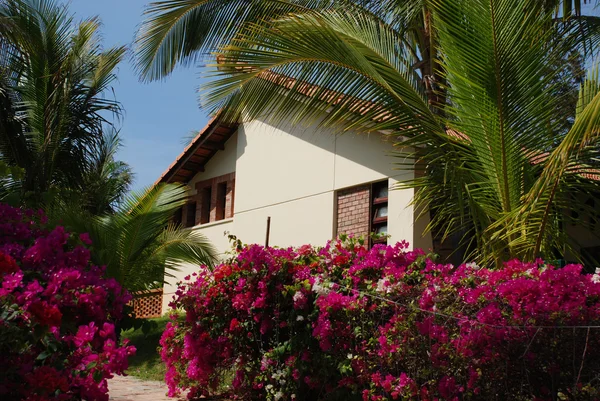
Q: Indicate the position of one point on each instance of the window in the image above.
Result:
(205, 197)
(363, 209)
(215, 197)
(190, 220)
(221, 200)
(379, 215)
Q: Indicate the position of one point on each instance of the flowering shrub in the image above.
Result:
(57, 314)
(343, 322)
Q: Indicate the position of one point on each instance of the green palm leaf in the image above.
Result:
(138, 244)
(351, 66)
(184, 31)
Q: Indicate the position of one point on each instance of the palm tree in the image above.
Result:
(187, 31)
(500, 168)
(106, 180)
(54, 77)
(139, 244)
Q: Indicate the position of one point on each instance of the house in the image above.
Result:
(310, 183)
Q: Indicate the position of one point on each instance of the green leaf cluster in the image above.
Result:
(139, 244)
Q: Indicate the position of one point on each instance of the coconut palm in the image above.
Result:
(54, 80)
(187, 31)
(139, 244)
(499, 169)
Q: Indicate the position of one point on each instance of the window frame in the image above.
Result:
(376, 204)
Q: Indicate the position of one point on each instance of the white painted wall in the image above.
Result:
(276, 165)
(297, 222)
(291, 173)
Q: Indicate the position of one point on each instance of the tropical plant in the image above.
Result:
(500, 167)
(54, 80)
(106, 180)
(139, 243)
(184, 31)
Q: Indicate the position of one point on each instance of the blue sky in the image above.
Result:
(158, 115)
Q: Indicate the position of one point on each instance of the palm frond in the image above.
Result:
(138, 244)
(569, 158)
(184, 31)
(341, 69)
(57, 75)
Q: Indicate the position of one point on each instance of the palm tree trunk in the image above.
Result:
(431, 71)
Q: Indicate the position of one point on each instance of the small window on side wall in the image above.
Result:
(379, 207)
(190, 220)
(215, 198)
(221, 200)
(205, 205)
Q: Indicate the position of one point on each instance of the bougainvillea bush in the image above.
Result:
(346, 323)
(57, 314)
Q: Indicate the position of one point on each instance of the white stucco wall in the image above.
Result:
(292, 173)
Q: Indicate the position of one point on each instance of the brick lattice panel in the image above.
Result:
(353, 208)
(148, 304)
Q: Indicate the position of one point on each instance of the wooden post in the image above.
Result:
(268, 231)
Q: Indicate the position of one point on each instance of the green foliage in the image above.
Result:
(54, 108)
(106, 180)
(138, 243)
(181, 31)
(146, 363)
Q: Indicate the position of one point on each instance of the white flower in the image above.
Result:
(349, 356)
(472, 265)
(318, 288)
(299, 318)
(298, 296)
(269, 387)
(385, 287)
(278, 396)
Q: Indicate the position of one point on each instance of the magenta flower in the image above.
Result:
(49, 289)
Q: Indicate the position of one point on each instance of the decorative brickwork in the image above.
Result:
(353, 210)
(148, 304)
(222, 191)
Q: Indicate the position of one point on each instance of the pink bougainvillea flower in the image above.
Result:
(7, 264)
(60, 313)
(385, 323)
